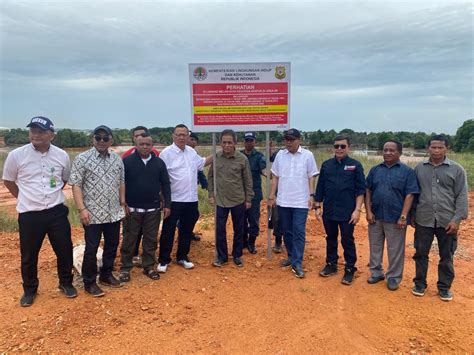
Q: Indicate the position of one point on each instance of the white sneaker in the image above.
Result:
(186, 264)
(162, 268)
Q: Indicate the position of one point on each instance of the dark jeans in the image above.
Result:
(238, 220)
(33, 228)
(252, 221)
(148, 223)
(293, 223)
(186, 213)
(93, 234)
(447, 244)
(276, 225)
(347, 240)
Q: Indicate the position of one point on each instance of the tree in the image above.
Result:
(463, 137)
(16, 136)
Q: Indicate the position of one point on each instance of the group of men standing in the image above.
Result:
(144, 184)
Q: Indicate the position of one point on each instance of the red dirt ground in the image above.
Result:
(260, 308)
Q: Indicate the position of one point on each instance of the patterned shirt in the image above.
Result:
(100, 178)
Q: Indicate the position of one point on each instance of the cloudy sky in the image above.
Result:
(364, 65)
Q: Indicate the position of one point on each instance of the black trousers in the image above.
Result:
(93, 234)
(126, 230)
(447, 244)
(347, 240)
(238, 220)
(148, 223)
(252, 222)
(33, 228)
(186, 213)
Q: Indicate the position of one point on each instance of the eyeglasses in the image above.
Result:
(340, 146)
(98, 138)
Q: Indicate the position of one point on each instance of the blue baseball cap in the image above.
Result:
(41, 122)
(250, 136)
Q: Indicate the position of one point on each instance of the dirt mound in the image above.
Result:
(259, 308)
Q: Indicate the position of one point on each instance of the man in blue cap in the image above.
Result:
(35, 175)
(257, 167)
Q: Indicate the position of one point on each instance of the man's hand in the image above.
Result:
(248, 205)
(413, 221)
(355, 217)
(166, 213)
(85, 217)
(370, 217)
(212, 201)
(401, 224)
(126, 210)
(311, 203)
(452, 228)
(271, 202)
(318, 212)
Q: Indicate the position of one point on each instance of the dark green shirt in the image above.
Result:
(234, 180)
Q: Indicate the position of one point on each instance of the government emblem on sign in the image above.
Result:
(200, 73)
(280, 72)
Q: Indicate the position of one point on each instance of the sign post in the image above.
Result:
(241, 97)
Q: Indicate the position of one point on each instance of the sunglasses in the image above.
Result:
(98, 138)
(340, 146)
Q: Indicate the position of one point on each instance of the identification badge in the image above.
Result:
(52, 180)
(349, 167)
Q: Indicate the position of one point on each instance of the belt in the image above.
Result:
(142, 210)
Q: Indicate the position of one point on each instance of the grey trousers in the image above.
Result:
(378, 233)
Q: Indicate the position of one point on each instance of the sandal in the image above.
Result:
(152, 274)
(124, 276)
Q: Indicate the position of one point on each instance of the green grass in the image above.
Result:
(8, 223)
(73, 213)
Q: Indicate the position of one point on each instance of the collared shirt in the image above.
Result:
(40, 176)
(443, 197)
(257, 164)
(389, 188)
(183, 166)
(99, 178)
(294, 172)
(234, 180)
(339, 184)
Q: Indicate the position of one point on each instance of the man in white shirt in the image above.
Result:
(294, 170)
(183, 164)
(35, 175)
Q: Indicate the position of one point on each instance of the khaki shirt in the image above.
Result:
(443, 194)
(234, 180)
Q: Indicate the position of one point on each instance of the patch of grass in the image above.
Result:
(73, 212)
(7, 222)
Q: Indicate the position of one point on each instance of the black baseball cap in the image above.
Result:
(194, 135)
(292, 133)
(250, 135)
(103, 128)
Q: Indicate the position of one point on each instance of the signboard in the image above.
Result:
(240, 96)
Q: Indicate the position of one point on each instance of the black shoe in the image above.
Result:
(27, 299)
(69, 290)
(348, 276)
(195, 237)
(277, 248)
(238, 262)
(298, 271)
(445, 295)
(252, 249)
(418, 291)
(110, 281)
(392, 284)
(94, 290)
(374, 279)
(285, 263)
(124, 276)
(329, 269)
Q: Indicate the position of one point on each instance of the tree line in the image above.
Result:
(462, 141)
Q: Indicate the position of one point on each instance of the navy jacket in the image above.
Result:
(339, 184)
(143, 183)
(257, 164)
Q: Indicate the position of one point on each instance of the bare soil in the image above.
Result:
(260, 308)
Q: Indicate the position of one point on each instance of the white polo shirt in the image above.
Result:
(183, 166)
(294, 172)
(34, 172)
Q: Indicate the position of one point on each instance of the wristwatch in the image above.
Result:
(403, 218)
